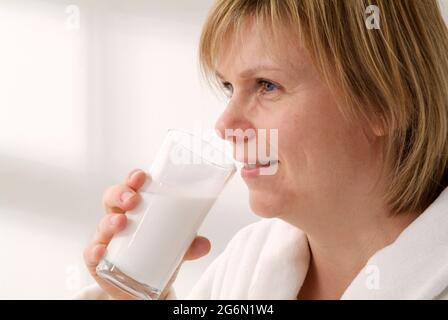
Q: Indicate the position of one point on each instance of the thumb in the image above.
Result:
(198, 248)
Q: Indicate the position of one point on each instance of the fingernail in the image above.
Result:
(132, 174)
(114, 220)
(125, 196)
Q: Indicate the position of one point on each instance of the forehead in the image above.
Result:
(255, 46)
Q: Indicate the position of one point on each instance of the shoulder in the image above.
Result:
(254, 230)
(255, 249)
(254, 238)
(257, 232)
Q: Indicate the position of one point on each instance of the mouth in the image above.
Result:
(251, 170)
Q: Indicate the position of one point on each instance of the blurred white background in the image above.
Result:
(87, 91)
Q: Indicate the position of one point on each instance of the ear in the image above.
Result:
(378, 130)
(374, 129)
(377, 125)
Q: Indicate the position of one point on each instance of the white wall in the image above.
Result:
(81, 107)
(78, 109)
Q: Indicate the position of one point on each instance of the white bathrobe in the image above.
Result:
(269, 260)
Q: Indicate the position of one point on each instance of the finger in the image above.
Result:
(136, 179)
(109, 225)
(93, 254)
(199, 247)
(120, 198)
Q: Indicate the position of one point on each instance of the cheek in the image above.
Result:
(320, 149)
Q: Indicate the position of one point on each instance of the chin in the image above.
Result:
(265, 205)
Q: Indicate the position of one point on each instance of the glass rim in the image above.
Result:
(227, 166)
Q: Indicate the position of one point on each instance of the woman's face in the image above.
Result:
(324, 160)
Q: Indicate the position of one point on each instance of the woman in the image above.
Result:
(357, 208)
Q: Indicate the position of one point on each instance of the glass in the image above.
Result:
(187, 175)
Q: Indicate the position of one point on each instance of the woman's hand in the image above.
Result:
(117, 200)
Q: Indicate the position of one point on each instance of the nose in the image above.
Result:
(233, 118)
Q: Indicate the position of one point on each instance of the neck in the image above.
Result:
(341, 245)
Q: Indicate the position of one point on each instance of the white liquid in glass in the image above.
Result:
(157, 235)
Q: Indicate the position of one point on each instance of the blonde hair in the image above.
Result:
(397, 75)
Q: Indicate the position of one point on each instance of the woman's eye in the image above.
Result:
(228, 88)
(267, 86)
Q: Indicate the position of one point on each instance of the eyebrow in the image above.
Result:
(251, 71)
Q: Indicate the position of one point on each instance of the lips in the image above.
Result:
(253, 170)
(259, 165)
